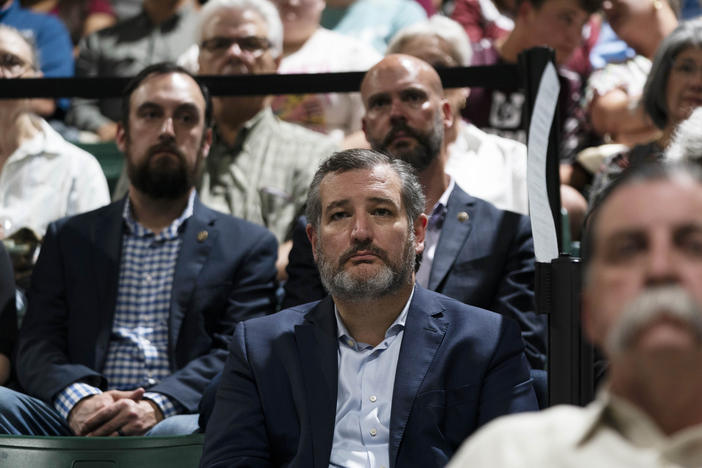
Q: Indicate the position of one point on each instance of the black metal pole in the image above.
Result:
(558, 283)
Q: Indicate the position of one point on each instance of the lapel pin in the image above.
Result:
(201, 236)
(462, 216)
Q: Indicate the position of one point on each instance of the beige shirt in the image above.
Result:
(265, 176)
(609, 432)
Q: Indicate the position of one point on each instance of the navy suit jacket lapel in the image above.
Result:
(106, 263)
(424, 331)
(454, 235)
(194, 251)
(317, 344)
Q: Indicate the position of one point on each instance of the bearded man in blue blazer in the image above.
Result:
(132, 306)
(474, 252)
(380, 373)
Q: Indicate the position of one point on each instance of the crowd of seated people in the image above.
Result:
(346, 279)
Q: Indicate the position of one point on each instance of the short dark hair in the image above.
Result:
(646, 172)
(590, 6)
(162, 68)
(353, 159)
(687, 34)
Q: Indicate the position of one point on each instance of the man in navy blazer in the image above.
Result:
(132, 306)
(380, 373)
(476, 253)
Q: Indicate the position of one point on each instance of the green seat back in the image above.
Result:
(101, 452)
(110, 158)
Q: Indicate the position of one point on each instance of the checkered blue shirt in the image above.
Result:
(138, 351)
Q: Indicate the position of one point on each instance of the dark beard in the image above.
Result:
(163, 179)
(424, 153)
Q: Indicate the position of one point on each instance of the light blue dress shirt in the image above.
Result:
(364, 398)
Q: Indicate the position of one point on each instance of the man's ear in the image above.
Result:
(312, 236)
(420, 230)
(121, 137)
(447, 114)
(206, 143)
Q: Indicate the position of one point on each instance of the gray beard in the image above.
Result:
(344, 286)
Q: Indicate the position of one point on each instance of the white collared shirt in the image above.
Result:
(609, 432)
(489, 167)
(47, 178)
(364, 396)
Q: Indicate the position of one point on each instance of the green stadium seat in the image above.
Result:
(110, 158)
(101, 452)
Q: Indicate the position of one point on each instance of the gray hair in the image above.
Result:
(28, 38)
(353, 159)
(441, 27)
(687, 34)
(266, 9)
(687, 141)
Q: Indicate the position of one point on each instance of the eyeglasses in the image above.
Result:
(12, 65)
(252, 45)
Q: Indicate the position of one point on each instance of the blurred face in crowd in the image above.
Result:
(632, 20)
(16, 61)
(556, 23)
(365, 246)
(643, 287)
(437, 53)
(166, 139)
(300, 18)
(236, 42)
(684, 87)
(406, 113)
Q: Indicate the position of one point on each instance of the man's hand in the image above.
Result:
(84, 417)
(127, 416)
(86, 409)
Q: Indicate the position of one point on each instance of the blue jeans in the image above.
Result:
(22, 414)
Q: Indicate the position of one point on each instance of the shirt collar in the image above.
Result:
(632, 423)
(171, 232)
(396, 326)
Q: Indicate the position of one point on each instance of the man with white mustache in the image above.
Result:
(641, 305)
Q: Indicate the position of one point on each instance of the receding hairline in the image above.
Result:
(398, 61)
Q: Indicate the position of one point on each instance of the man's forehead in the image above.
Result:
(168, 88)
(379, 182)
(648, 204)
(233, 20)
(397, 72)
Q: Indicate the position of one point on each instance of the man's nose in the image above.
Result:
(361, 229)
(235, 50)
(662, 264)
(167, 128)
(397, 111)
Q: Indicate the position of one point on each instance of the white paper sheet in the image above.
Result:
(542, 224)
